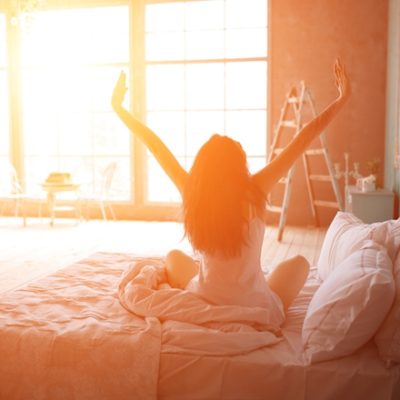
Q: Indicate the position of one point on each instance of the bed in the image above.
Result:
(75, 335)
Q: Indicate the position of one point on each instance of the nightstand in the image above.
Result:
(370, 206)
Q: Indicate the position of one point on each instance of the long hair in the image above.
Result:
(218, 197)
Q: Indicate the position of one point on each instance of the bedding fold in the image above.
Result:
(191, 324)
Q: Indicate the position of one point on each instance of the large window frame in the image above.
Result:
(227, 60)
(139, 207)
(4, 101)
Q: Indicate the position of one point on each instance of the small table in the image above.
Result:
(370, 207)
(52, 189)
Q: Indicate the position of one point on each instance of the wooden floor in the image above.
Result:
(38, 249)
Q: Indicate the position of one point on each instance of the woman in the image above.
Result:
(223, 208)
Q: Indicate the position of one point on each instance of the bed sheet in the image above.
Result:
(279, 372)
(67, 336)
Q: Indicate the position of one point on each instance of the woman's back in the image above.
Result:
(238, 280)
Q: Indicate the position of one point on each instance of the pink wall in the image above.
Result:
(305, 38)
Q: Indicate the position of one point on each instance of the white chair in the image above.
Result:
(11, 192)
(100, 198)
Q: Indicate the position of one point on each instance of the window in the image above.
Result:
(206, 72)
(67, 80)
(195, 67)
(4, 109)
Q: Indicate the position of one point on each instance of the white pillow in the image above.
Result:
(388, 336)
(345, 235)
(348, 307)
(395, 232)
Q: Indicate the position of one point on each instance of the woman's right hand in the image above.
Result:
(119, 91)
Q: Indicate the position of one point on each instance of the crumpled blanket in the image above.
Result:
(189, 323)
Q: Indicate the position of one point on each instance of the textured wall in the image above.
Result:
(305, 39)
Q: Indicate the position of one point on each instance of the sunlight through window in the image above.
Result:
(194, 68)
(67, 80)
(4, 109)
(206, 72)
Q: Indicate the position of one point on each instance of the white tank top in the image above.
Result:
(238, 280)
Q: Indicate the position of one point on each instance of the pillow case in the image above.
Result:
(395, 232)
(347, 309)
(345, 235)
(387, 338)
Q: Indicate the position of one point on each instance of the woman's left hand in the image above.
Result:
(341, 80)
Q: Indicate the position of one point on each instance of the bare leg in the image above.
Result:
(287, 278)
(180, 268)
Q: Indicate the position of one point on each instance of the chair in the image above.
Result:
(101, 198)
(11, 192)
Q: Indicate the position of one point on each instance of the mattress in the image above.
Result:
(67, 336)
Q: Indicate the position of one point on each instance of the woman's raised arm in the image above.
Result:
(161, 152)
(280, 165)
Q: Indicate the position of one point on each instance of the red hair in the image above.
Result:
(218, 196)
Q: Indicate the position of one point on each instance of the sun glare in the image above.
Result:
(67, 80)
(204, 71)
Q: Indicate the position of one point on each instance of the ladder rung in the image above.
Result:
(293, 99)
(322, 203)
(278, 150)
(275, 209)
(289, 123)
(320, 178)
(314, 152)
(283, 180)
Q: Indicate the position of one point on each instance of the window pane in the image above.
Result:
(170, 127)
(250, 129)
(69, 122)
(205, 45)
(40, 133)
(74, 128)
(109, 135)
(165, 46)
(109, 34)
(4, 122)
(255, 164)
(203, 15)
(121, 182)
(67, 80)
(3, 45)
(246, 14)
(100, 35)
(165, 87)
(205, 86)
(246, 85)
(159, 187)
(200, 126)
(165, 17)
(241, 43)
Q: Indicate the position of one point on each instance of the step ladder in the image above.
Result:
(294, 104)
